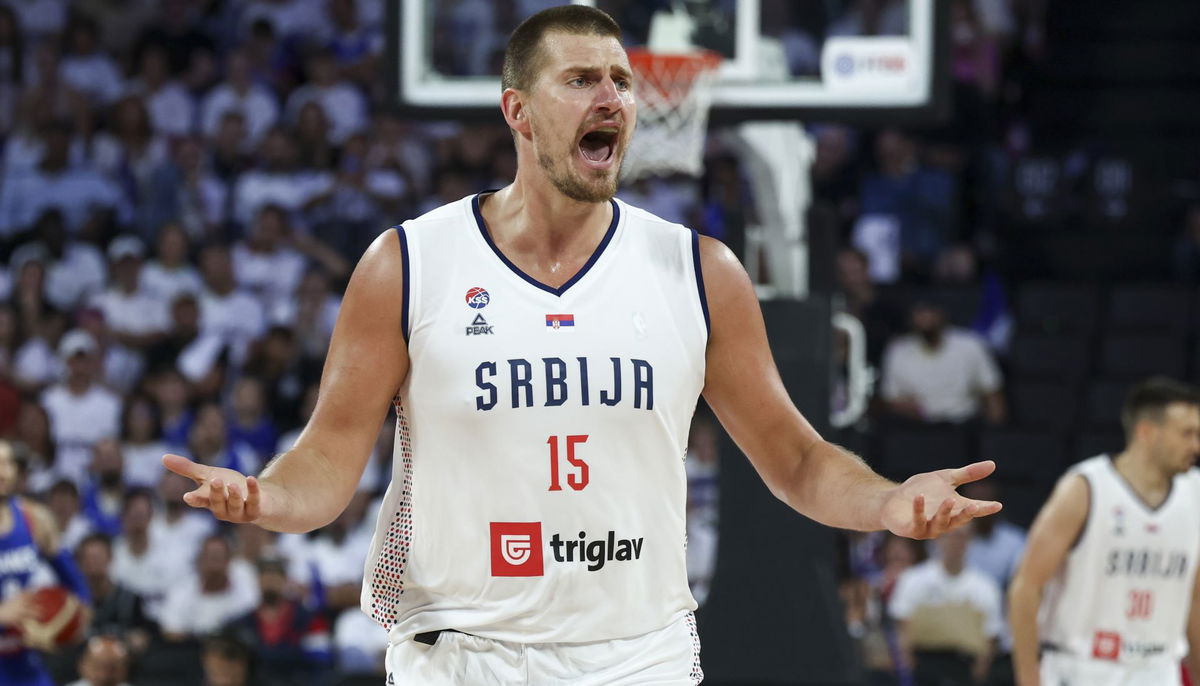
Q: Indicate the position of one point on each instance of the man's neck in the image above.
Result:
(138, 540)
(952, 568)
(6, 517)
(543, 224)
(1151, 483)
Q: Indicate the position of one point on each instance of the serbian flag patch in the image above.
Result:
(556, 321)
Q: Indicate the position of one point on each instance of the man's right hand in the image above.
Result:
(231, 496)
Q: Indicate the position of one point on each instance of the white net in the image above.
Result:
(674, 93)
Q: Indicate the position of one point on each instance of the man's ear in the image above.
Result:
(512, 106)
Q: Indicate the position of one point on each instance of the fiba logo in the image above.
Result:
(516, 548)
(477, 298)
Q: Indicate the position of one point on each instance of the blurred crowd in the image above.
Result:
(185, 186)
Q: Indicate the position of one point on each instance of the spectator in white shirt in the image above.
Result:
(121, 366)
(77, 269)
(62, 499)
(85, 67)
(355, 44)
(187, 190)
(265, 264)
(55, 183)
(239, 92)
(130, 151)
(136, 316)
(175, 528)
(142, 561)
(170, 274)
(141, 442)
(278, 181)
(82, 412)
(344, 104)
(172, 109)
(948, 615)
(311, 314)
(230, 313)
(36, 364)
(940, 373)
(209, 599)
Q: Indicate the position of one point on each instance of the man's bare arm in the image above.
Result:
(813, 476)
(1054, 532)
(1193, 634)
(309, 485)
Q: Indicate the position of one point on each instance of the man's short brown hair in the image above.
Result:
(1150, 399)
(523, 57)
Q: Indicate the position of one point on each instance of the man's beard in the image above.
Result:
(578, 189)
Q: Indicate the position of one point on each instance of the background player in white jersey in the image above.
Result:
(680, 316)
(1111, 559)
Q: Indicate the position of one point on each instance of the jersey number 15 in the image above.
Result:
(577, 477)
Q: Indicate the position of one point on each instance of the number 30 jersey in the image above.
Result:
(1125, 590)
(538, 490)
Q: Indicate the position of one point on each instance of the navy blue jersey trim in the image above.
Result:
(612, 230)
(407, 295)
(700, 282)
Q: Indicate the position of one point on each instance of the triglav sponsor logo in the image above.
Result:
(517, 549)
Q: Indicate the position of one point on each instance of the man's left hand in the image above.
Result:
(927, 505)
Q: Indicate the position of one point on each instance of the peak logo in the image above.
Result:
(517, 549)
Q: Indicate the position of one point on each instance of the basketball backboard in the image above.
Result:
(858, 60)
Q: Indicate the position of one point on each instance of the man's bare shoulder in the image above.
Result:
(1070, 501)
(719, 263)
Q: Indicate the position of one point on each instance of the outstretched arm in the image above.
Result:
(309, 485)
(1054, 532)
(1193, 634)
(813, 476)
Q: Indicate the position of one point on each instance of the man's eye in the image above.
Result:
(579, 81)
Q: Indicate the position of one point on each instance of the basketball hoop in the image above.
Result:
(674, 92)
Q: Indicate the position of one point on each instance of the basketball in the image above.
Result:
(59, 621)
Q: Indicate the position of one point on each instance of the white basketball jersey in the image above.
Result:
(538, 490)
(1124, 594)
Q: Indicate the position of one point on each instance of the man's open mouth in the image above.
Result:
(598, 144)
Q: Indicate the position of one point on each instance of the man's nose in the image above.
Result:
(608, 98)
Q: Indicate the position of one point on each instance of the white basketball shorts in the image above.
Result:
(667, 657)
(1059, 669)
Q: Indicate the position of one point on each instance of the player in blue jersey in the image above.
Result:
(28, 540)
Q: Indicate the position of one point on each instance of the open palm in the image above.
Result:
(927, 505)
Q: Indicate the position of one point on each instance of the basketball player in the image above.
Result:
(545, 346)
(1111, 559)
(27, 538)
